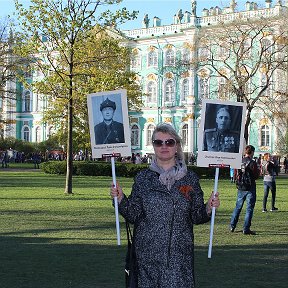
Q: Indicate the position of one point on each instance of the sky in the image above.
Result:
(164, 9)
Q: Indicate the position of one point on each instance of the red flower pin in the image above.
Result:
(185, 189)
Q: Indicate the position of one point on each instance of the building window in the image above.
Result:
(26, 134)
(150, 130)
(169, 91)
(152, 59)
(223, 51)
(135, 59)
(151, 92)
(264, 81)
(266, 46)
(265, 136)
(170, 57)
(38, 134)
(135, 135)
(50, 131)
(203, 53)
(186, 56)
(203, 88)
(185, 134)
(27, 102)
(222, 88)
(185, 89)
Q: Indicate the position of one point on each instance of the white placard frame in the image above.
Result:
(94, 101)
(218, 158)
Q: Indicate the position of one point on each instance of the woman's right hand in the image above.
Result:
(116, 191)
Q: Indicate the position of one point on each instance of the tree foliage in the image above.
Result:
(55, 34)
(248, 55)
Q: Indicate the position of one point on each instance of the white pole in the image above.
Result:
(213, 213)
(115, 201)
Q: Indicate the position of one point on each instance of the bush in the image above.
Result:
(54, 167)
(100, 168)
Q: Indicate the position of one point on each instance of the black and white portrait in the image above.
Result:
(108, 123)
(222, 128)
(109, 130)
(221, 134)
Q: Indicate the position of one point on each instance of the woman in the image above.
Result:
(269, 172)
(165, 202)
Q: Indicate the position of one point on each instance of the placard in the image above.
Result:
(221, 134)
(108, 123)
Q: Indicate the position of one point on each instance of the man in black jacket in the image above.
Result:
(108, 131)
(248, 194)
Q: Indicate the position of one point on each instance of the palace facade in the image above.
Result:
(174, 80)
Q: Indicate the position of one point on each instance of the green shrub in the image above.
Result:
(92, 168)
(54, 167)
(100, 168)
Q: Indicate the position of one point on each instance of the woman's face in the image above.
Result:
(165, 146)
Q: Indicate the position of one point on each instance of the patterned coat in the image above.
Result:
(163, 228)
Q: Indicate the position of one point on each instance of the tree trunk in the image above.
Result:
(69, 170)
(247, 123)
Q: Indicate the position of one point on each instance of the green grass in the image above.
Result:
(49, 239)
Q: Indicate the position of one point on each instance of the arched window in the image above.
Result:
(186, 56)
(203, 88)
(135, 59)
(264, 81)
(222, 88)
(185, 134)
(266, 46)
(26, 134)
(169, 91)
(150, 130)
(170, 57)
(185, 89)
(151, 92)
(265, 135)
(135, 135)
(152, 59)
(38, 134)
(50, 131)
(27, 102)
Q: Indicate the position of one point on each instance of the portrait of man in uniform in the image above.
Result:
(108, 131)
(222, 132)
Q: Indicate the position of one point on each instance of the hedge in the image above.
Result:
(122, 169)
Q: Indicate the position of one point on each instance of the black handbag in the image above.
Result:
(130, 263)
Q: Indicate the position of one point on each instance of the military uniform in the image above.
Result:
(221, 141)
(109, 134)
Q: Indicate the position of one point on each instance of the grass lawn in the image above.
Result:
(49, 239)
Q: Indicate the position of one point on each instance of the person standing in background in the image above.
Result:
(269, 173)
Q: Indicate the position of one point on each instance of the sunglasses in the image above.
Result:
(168, 142)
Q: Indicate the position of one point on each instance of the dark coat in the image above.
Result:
(221, 141)
(109, 134)
(163, 228)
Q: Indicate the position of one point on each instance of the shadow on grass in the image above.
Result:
(30, 262)
(39, 179)
(256, 266)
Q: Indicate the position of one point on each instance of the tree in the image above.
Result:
(9, 65)
(102, 67)
(246, 57)
(54, 31)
